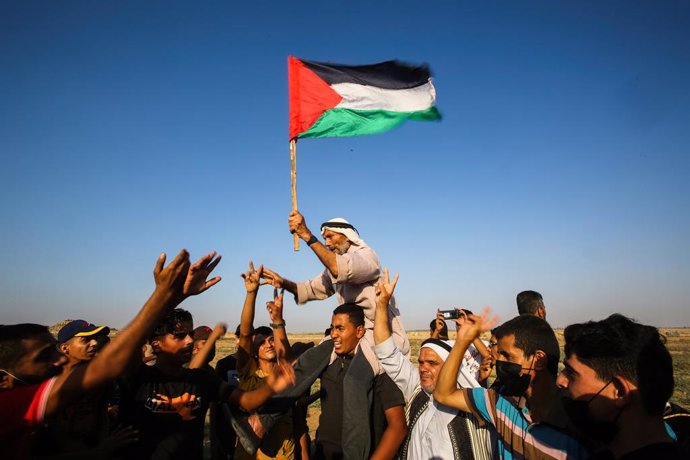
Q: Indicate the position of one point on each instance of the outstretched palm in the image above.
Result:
(196, 281)
(282, 377)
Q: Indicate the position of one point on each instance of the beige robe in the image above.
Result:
(358, 271)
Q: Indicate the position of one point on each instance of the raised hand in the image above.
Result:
(282, 377)
(298, 225)
(170, 279)
(271, 277)
(440, 321)
(461, 319)
(485, 368)
(275, 307)
(196, 281)
(219, 330)
(252, 277)
(472, 326)
(384, 288)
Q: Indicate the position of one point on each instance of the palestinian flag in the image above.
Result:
(330, 100)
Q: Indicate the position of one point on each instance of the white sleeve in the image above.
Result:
(398, 367)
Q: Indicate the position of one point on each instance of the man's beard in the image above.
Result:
(342, 247)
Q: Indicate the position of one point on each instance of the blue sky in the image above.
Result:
(561, 164)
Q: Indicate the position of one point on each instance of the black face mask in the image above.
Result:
(509, 381)
(578, 413)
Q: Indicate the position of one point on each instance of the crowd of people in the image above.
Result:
(146, 393)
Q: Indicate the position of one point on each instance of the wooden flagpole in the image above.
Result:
(293, 180)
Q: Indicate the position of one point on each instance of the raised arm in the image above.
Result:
(440, 322)
(477, 342)
(201, 358)
(278, 282)
(174, 283)
(282, 377)
(275, 312)
(299, 226)
(383, 291)
(447, 392)
(252, 280)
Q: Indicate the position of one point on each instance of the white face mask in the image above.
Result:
(14, 377)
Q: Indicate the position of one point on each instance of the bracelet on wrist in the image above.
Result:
(278, 325)
(312, 240)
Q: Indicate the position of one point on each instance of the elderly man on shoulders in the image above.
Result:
(352, 269)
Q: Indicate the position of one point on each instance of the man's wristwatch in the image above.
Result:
(278, 325)
(312, 240)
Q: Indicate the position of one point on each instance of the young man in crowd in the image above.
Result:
(375, 413)
(435, 431)
(257, 356)
(32, 384)
(531, 303)
(84, 424)
(386, 419)
(524, 407)
(618, 376)
(167, 402)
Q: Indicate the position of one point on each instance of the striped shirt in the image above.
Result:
(518, 436)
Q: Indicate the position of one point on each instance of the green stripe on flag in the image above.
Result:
(348, 122)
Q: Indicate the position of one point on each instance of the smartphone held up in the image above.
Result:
(454, 313)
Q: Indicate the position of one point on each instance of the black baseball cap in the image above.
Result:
(80, 328)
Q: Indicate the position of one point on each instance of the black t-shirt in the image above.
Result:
(659, 451)
(169, 411)
(330, 431)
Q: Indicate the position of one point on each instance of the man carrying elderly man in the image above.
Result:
(352, 269)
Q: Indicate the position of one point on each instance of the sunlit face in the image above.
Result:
(40, 361)
(178, 344)
(266, 348)
(80, 348)
(507, 351)
(430, 364)
(336, 242)
(580, 382)
(345, 335)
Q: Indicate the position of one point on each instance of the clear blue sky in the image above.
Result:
(561, 164)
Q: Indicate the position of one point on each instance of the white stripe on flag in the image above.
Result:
(362, 97)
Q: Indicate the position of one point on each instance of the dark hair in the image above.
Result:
(444, 330)
(263, 330)
(528, 302)
(327, 332)
(237, 331)
(354, 312)
(618, 345)
(11, 336)
(169, 322)
(531, 334)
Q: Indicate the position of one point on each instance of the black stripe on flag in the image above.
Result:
(387, 75)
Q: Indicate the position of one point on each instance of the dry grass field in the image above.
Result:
(678, 343)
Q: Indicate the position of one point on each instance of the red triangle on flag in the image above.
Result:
(310, 97)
